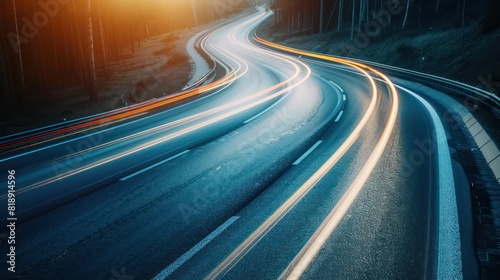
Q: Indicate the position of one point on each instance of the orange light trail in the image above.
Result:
(219, 109)
(303, 260)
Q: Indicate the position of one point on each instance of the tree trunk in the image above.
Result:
(352, 20)
(22, 83)
(331, 15)
(341, 8)
(41, 60)
(82, 53)
(69, 66)
(145, 22)
(367, 10)
(463, 27)
(360, 19)
(79, 72)
(54, 48)
(103, 45)
(93, 76)
(406, 13)
(131, 34)
(5, 92)
(321, 7)
(194, 12)
(420, 15)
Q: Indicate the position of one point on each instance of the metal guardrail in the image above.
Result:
(487, 98)
(483, 96)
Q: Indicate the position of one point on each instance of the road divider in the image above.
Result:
(189, 254)
(308, 152)
(339, 116)
(153, 166)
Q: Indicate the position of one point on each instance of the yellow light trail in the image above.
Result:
(159, 140)
(303, 260)
(124, 113)
(194, 127)
(312, 248)
(191, 118)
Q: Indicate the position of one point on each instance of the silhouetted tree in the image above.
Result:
(491, 21)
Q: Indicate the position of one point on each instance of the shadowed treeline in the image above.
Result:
(316, 16)
(51, 43)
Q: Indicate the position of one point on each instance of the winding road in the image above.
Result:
(293, 165)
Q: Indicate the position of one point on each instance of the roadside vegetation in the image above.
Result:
(452, 38)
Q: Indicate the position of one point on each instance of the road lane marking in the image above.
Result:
(344, 97)
(328, 82)
(339, 116)
(341, 90)
(107, 129)
(449, 246)
(275, 103)
(189, 254)
(247, 245)
(308, 253)
(67, 141)
(226, 80)
(154, 165)
(218, 109)
(267, 109)
(449, 254)
(300, 159)
(168, 137)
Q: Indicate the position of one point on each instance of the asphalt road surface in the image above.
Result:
(295, 167)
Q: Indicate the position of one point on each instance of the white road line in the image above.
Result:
(449, 254)
(308, 152)
(339, 116)
(449, 248)
(108, 128)
(334, 87)
(341, 90)
(269, 108)
(277, 102)
(344, 97)
(153, 166)
(189, 254)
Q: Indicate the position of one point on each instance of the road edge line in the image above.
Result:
(449, 244)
